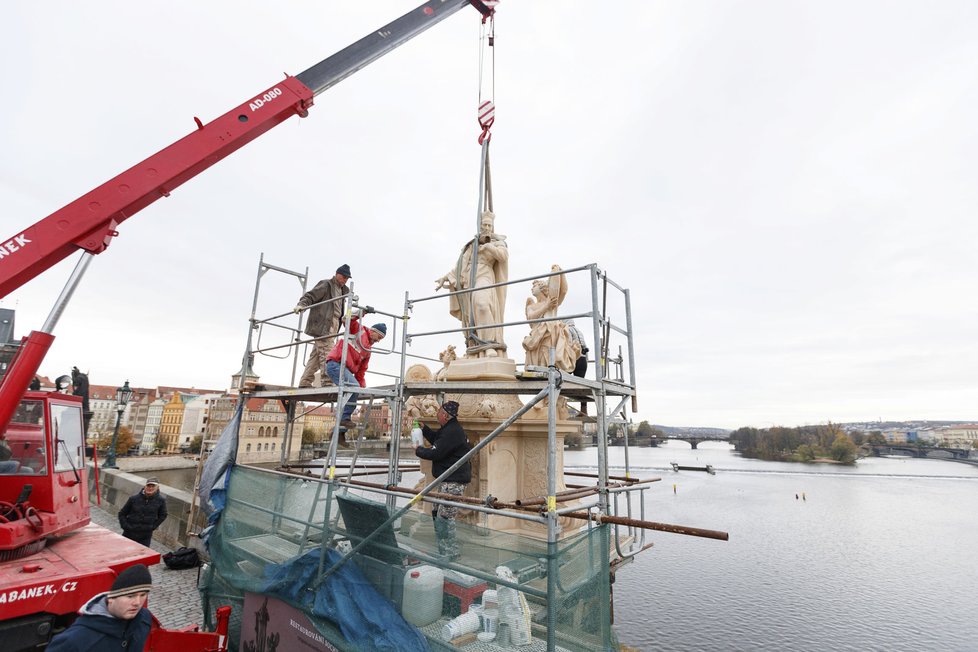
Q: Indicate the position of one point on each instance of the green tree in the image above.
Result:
(645, 429)
(876, 438)
(196, 444)
(309, 436)
(805, 453)
(122, 444)
(843, 450)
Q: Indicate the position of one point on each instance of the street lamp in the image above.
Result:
(122, 397)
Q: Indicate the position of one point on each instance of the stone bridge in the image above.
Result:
(922, 451)
(692, 440)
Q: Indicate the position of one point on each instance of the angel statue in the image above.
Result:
(548, 294)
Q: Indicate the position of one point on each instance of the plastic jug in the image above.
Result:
(416, 436)
(423, 591)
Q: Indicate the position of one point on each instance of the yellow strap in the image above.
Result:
(551, 503)
(332, 472)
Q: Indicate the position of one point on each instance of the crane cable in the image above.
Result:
(486, 117)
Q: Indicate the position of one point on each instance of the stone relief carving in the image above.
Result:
(419, 407)
(446, 357)
(487, 408)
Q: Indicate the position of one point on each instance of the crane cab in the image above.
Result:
(43, 488)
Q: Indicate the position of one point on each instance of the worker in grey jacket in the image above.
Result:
(324, 321)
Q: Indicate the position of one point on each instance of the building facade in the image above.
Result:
(961, 436)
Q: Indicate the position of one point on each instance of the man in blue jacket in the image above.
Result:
(448, 445)
(116, 621)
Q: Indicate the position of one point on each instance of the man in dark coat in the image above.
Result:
(115, 621)
(448, 445)
(324, 321)
(143, 513)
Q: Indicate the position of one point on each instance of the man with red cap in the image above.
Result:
(112, 621)
(358, 343)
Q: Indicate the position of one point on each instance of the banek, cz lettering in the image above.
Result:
(12, 245)
(35, 592)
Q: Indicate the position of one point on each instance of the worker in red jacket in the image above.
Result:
(358, 343)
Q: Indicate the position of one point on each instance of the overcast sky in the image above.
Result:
(788, 189)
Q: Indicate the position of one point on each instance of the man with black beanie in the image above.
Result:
(449, 444)
(324, 321)
(113, 621)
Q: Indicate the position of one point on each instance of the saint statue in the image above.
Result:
(547, 296)
(482, 310)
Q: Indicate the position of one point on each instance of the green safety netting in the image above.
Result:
(285, 536)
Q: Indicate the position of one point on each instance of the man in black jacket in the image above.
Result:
(143, 513)
(448, 445)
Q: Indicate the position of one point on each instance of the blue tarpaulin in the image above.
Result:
(217, 472)
(365, 617)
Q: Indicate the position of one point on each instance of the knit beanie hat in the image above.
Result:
(450, 408)
(132, 580)
(344, 269)
(380, 328)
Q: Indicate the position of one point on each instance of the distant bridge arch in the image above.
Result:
(693, 440)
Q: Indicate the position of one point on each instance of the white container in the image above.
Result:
(467, 623)
(424, 587)
(489, 599)
(490, 620)
(417, 437)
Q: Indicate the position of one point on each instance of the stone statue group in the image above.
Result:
(481, 309)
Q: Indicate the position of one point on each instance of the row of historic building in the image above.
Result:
(168, 419)
(963, 435)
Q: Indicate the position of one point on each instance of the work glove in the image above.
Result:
(298, 309)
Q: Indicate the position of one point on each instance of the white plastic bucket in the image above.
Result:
(423, 590)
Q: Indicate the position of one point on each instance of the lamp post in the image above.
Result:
(122, 397)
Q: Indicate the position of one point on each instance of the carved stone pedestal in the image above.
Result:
(514, 466)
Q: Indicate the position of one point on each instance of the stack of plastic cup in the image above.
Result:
(465, 624)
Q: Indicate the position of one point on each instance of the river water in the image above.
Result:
(880, 556)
